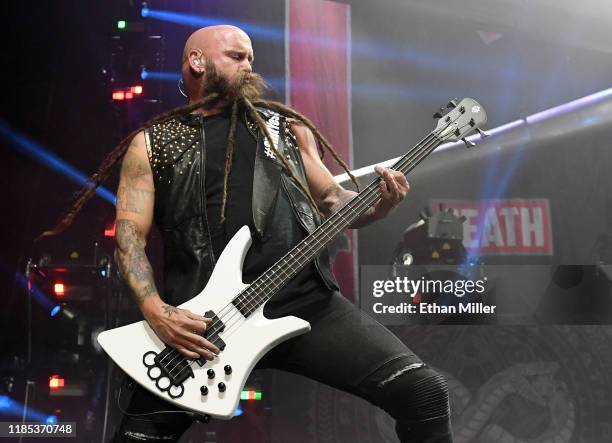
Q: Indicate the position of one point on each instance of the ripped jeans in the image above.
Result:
(345, 349)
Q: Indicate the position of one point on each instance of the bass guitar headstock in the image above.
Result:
(459, 119)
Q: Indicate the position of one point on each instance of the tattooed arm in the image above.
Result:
(330, 196)
(135, 201)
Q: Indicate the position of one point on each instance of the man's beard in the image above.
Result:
(246, 85)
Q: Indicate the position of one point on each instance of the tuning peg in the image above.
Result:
(468, 144)
(482, 133)
(452, 103)
(439, 113)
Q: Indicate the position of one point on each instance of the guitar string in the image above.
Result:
(332, 225)
(249, 295)
(357, 204)
(265, 283)
(408, 160)
(304, 249)
(327, 229)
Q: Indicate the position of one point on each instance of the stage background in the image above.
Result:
(512, 383)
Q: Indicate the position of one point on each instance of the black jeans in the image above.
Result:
(345, 349)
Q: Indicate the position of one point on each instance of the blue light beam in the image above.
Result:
(10, 407)
(40, 297)
(160, 75)
(32, 149)
(399, 53)
(200, 21)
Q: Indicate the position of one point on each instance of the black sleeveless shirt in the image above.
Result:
(283, 231)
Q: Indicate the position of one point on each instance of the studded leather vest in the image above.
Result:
(177, 154)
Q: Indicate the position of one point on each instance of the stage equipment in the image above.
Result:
(432, 249)
(435, 239)
(133, 50)
(82, 296)
(238, 325)
(71, 378)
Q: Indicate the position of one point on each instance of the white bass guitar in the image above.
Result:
(238, 325)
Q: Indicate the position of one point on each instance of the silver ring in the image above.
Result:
(180, 84)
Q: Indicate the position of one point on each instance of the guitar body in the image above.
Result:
(246, 340)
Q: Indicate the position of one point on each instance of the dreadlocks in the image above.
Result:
(244, 92)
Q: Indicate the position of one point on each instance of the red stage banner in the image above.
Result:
(319, 86)
(505, 226)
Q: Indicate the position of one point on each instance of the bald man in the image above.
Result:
(229, 159)
(228, 47)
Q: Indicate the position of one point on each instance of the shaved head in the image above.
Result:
(225, 47)
(211, 38)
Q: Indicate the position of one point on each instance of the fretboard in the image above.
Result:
(281, 272)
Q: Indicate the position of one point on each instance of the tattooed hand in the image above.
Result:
(181, 329)
(178, 328)
(393, 187)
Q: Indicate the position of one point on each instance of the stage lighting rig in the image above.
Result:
(435, 239)
(134, 45)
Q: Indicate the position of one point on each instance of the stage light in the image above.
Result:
(55, 310)
(569, 107)
(254, 30)
(238, 412)
(118, 95)
(374, 50)
(121, 24)
(250, 395)
(127, 94)
(110, 231)
(5, 403)
(160, 75)
(37, 295)
(56, 382)
(59, 289)
(51, 420)
(10, 407)
(47, 159)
